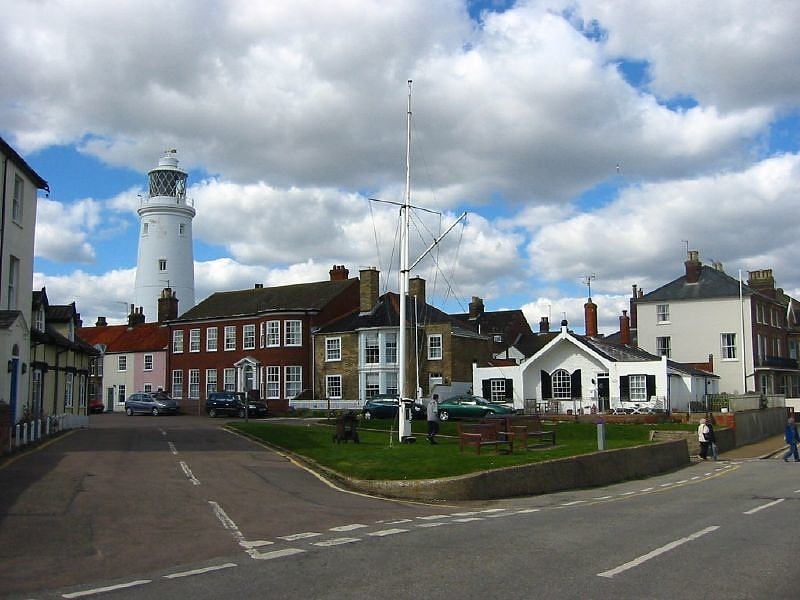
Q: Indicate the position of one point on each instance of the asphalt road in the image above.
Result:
(173, 507)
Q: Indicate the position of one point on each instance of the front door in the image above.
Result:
(13, 388)
(603, 393)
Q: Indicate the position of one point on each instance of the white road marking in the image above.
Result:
(228, 524)
(496, 515)
(573, 503)
(434, 524)
(627, 493)
(188, 472)
(337, 542)
(277, 553)
(528, 510)
(603, 497)
(102, 590)
(464, 514)
(172, 448)
(492, 510)
(650, 489)
(667, 484)
(763, 506)
(385, 532)
(468, 519)
(255, 543)
(432, 517)
(299, 536)
(681, 481)
(200, 571)
(395, 521)
(658, 551)
(163, 432)
(348, 527)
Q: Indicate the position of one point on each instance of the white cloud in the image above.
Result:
(62, 231)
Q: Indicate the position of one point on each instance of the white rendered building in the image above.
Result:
(166, 257)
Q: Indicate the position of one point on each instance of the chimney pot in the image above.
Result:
(590, 317)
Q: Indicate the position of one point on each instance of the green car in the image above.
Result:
(470, 407)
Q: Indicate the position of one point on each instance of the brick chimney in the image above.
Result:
(369, 281)
(763, 281)
(544, 325)
(167, 305)
(101, 322)
(416, 289)
(693, 265)
(339, 273)
(625, 329)
(590, 318)
(475, 308)
(136, 317)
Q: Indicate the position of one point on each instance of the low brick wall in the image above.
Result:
(589, 470)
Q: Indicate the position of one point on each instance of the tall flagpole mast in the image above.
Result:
(404, 430)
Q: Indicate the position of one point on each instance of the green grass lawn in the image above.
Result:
(381, 456)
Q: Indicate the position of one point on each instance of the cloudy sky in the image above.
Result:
(581, 137)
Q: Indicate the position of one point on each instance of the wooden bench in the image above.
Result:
(484, 434)
(524, 427)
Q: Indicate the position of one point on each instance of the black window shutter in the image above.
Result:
(509, 388)
(547, 385)
(486, 386)
(651, 386)
(624, 388)
(575, 383)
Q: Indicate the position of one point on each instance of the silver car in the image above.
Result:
(153, 404)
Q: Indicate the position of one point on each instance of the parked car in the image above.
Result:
(232, 403)
(96, 405)
(471, 407)
(384, 406)
(150, 403)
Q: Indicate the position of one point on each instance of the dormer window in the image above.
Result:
(498, 339)
(40, 319)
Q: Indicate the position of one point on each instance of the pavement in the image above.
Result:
(771, 447)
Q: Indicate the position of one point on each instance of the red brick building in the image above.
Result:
(258, 339)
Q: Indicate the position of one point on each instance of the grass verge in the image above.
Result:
(380, 456)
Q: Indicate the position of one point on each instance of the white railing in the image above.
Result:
(323, 404)
(29, 432)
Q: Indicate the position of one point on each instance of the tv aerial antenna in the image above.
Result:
(587, 281)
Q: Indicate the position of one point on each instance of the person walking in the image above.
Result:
(792, 438)
(703, 437)
(712, 440)
(433, 419)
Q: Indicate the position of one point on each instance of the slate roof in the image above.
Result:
(145, 337)
(52, 337)
(712, 283)
(296, 297)
(386, 313)
(7, 318)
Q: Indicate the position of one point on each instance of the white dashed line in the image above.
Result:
(395, 521)
(493, 510)
(763, 506)
(110, 588)
(468, 519)
(464, 514)
(386, 532)
(432, 517)
(574, 502)
(528, 510)
(188, 472)
(435, 524)
(199, 571)
(627, 493)
(255, 543)
(299, 536)
(277, 553)
(658, 551)
(172, 448)
(496, 515)
(603, 497)
(337, 542)
(348, 527)
(650, 489)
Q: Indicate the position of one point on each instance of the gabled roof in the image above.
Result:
(616, 352)
(500, 321)
(145, 337)
(296, 297)
(51, 336)
(529, 345)
(386, 313)
(23, 166)
(8, 317)
(713, 283)
(61, 313)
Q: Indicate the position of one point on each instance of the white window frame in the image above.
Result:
(561, 384)
(435, 346)
(13, 282)
(69, 379)
(177, 341)
(194, 340)
(390, 349)
(333, 349)
(273, 334)
(194, 383)
(727, 346)
(372, 384)
(372, 348)
(664, 346)
(662, 313)
(637, 388)
(249, 337)
(262, 334)
(292, 381)
(212, 339)
(18, 200)
(162, 264)
(122, 363)
(147, 363)
(333, 387)
(292, 332)
(229, 380)
(211, 381)
(273, 382)
(177, 383)
(230, 339)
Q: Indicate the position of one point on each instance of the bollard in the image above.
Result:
(601, 434)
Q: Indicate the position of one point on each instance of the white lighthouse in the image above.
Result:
(166, 257)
